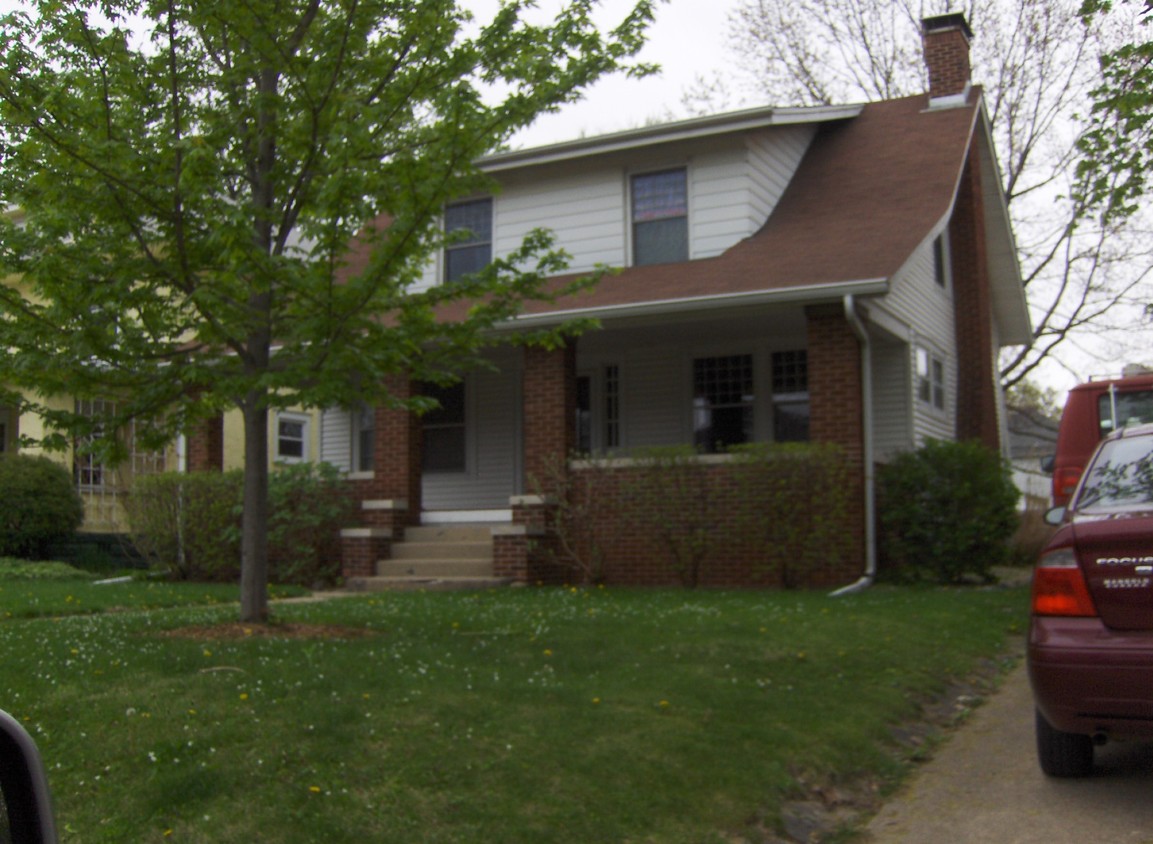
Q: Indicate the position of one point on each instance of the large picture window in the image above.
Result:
(660, 217)
(722, 402)
(791, 396)
(444, 430)
(469, 227)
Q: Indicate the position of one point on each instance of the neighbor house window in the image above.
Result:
(444, 429)
(930, 378)
(791, 396)
(660, 217)
(88, 470)
(363, 433)
(469, 227)
(291, 437)
(722, 402)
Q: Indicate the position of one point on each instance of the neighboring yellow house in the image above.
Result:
(103, 488)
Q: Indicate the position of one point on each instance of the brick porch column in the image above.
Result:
(835, 407)
(205, 443)
(392, 499)
(549, 412)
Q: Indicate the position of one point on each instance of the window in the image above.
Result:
(791, 396)
(470, 250)
(363, 433)
(444, 430)
(722, 402)
(291, 438)
(930, 377)
(88, 470)
(1118, 409)
(609, 403)
(660, 217)
(940, 261)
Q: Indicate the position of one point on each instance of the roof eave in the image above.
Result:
(700, 127)
(807, 294)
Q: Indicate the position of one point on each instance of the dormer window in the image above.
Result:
(660, 217)
(469, 226)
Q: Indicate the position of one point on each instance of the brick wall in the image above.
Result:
(206, 446)
(945, 41)
(977, 376)
(635, 553)
(549, 420)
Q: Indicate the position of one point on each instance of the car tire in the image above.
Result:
(1063, 754)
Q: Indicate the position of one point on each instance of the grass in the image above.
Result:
(507, 716)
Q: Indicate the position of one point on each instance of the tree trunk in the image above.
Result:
(254, 525)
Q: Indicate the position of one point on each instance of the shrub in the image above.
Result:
(308, 505)
(190, 524)
(41, 505)
(947, 512)
(793, 498)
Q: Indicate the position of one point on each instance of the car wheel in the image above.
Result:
(1063, 754)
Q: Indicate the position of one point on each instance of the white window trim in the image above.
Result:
(930, 356)
(630, 225)
(305, 422)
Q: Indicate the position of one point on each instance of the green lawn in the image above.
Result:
(507, 716)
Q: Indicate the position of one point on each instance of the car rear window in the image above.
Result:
(1121, 410)
(1121, 477)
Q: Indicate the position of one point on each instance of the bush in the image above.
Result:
(41, 505)
(190, 524)
(947, 512)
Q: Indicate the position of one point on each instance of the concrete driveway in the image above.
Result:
(984, 786)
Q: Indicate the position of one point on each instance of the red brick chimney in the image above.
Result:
(946, 44)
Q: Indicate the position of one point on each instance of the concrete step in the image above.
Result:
(434, 550)
(449, 533)
(414, 582)
(439, 567)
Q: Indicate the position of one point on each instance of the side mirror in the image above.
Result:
(1048, 462)
(1054, 516)
(26, 808)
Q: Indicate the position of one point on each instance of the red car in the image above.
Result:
(1090, 651)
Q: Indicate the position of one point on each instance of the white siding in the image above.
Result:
(493, 463)
(774, 157)
(892, 399)
(917, 300)
(734, 183)
(336, 438)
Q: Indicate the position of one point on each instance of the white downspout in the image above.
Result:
(866, 580)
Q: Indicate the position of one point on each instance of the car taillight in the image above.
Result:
(1064, 483)
(1059, 588)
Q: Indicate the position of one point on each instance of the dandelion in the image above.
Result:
(664, 704)
(315, 789)
(596, 701)
(547, 652)
(244, 695)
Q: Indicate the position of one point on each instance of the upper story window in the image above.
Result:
(722, 402)
(470, 251)
(930, 378)
(940, 261)
(660, 217)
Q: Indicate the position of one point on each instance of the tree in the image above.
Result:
(1037, 64)
(1118, 145)
(189, 176)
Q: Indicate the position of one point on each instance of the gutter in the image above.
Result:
(698, 304)
(870, 574)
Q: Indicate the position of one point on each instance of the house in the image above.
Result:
(842, 274)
